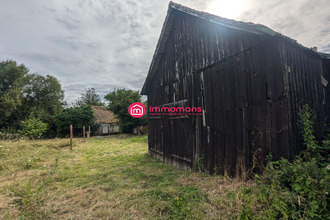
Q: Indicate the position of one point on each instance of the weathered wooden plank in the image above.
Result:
(251, 90)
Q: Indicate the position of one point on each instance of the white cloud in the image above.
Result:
(303, 20)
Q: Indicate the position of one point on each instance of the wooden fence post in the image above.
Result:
(84, 132)
(71, 134)
(89, 131)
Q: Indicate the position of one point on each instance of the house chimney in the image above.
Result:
(314, 48)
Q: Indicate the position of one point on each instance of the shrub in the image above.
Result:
(33, 128)
(292, 190)
(76, 116)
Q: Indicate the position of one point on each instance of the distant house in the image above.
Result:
(249, 82)
(106, 119)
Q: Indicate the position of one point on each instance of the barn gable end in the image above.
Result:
(250, 82)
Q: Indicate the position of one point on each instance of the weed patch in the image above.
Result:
(292, 190)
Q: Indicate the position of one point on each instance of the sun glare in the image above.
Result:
(226, 8)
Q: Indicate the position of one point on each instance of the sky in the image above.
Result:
(108, 44)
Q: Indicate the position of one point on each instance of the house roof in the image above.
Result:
(257, 29)
(104, 116)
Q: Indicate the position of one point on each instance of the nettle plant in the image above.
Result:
(293, 190)
(33, 128)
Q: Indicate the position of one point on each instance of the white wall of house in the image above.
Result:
(108, 128)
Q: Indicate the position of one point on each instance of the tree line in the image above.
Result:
(33, 105)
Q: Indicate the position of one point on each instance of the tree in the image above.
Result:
(42, 97)
(77, 116)
(90, 97)
(11, 83)
(119, 101)
(25, 96)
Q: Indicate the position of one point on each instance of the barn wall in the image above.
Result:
(246, 110)
(250, 88)
(193, 45)
(245, 114)
(172, 139)
(303, 83)
(326, 86)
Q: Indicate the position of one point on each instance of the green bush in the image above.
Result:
(288, 190)
(33, 128)
(76, 116)
(292, 190)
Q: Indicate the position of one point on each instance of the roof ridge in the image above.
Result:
(221, 20)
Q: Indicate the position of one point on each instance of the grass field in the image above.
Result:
(106, 178)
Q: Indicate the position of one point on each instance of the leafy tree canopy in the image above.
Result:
(11, 83)
(42, 96)
(119, 101)
(90, 97)
(24, 96)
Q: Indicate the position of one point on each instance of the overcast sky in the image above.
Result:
(107, 44)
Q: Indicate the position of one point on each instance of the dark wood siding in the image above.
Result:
(250, 88)
(195, 44)
(246, 110)
(302, 73)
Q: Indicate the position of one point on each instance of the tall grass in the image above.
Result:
(114, 178)
(105, 178)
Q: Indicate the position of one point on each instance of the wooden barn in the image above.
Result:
(250, 82)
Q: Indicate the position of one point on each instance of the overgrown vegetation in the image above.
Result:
(33, 128)
(114, 178)
(24, 96)
(76, 116)
(105, 178)
(292, 190)
(119, 101)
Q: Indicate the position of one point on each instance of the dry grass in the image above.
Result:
(106, 178)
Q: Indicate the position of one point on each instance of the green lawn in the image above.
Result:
(106, 178)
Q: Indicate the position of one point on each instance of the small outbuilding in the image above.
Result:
(250, 83)
(106, 119)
